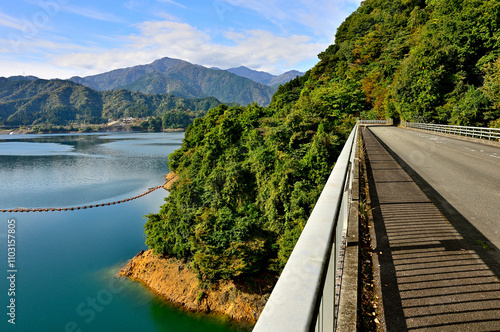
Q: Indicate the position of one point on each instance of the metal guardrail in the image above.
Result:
(388, 121)
(476, 132)
(304, 296)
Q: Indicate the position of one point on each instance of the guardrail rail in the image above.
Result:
(387, 121)
(303, 299)
(475, 132)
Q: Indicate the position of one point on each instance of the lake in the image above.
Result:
(66, 262)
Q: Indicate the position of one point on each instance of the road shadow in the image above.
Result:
(475, 240)
(436, 272)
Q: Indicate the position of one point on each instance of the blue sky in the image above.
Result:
(64, 38)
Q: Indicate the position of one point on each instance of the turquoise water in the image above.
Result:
(66, 262)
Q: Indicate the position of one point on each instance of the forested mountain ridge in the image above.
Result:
(182, 79)
(263, 77)
(250, 176)
(60, 102)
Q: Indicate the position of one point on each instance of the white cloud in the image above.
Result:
(173, 3)
(40, 69)
(17, 44)
(166, 16)
(306, 27)
(257, 49)
(11, 22)
(135, 4)
(321, 16)
(92, 13)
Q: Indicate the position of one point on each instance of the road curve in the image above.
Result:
(465, 174)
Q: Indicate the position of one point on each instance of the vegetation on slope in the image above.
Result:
(431, 61)
(59, 102)
(249, 176)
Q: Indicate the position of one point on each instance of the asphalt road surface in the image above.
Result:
(465, 174)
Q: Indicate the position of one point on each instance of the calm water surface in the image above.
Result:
(67, 261)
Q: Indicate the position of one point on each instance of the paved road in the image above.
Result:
(432, 272)
(465, 174)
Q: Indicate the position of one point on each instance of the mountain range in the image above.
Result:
(181, 78)
(146, 90)
(265, 78)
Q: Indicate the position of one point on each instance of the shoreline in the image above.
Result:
(174, 281)
(100, 130)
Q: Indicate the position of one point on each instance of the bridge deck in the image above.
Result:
(434, 275)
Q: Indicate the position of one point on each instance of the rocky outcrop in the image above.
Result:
(171, 178)
(177, 283)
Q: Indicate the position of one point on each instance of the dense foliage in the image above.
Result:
(59, 102)
(249, 176)
(431, 61)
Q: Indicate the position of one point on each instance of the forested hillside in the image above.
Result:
(59, 102)
(249, 176)
(432, 61)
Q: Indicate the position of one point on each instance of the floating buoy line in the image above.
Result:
(84, 207)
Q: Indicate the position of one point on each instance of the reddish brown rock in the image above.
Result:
(177, 283)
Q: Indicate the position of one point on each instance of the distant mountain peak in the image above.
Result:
(263, 77)
(183, 79)
(20, 78)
